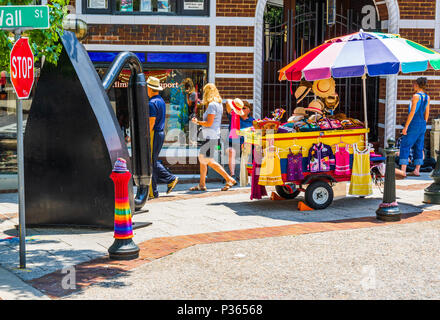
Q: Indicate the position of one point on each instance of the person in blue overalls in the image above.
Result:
(157, 124)
(414, 130)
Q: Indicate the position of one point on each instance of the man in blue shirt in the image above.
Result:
(157, 124)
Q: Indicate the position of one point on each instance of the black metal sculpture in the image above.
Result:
(139, 126)
(72, 139)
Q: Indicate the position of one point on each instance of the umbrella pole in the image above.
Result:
(364, 85)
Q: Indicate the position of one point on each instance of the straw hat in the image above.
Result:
(236, 105)
(154, 83)
(324, 88)
(302, 91)
(332, 101)
(299, 111)
(315, 106)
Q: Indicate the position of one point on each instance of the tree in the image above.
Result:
(44, 42)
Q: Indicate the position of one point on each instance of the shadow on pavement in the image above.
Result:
(346, 208)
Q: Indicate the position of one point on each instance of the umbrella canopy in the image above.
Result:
(359, 53)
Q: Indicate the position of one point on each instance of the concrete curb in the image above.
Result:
(13, 288)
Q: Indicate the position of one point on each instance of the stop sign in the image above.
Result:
(22, 68)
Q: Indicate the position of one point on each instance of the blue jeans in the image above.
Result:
(415, 137)
(160, 174)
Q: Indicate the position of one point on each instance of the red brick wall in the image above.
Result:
(235, 36)
(231, 88)
(417, 9)
(148, 35)
(422, 36)
(236, 8)
(234, 63)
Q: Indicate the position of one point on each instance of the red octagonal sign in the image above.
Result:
(22, 68)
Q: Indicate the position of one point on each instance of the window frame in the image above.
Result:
(179, 10)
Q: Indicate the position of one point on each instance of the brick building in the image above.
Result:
(225, 42)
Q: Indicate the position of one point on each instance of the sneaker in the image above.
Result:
(172, 185)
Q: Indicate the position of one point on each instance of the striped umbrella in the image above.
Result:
(361, 53)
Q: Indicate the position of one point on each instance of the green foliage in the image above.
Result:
(273, 15)
(44, 42)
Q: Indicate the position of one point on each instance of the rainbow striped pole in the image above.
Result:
(123, 248)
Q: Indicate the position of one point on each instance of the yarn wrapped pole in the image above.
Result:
(123, 248)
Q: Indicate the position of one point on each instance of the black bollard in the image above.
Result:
(432, 193)
(389, 209)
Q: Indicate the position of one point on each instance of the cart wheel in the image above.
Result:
(319, 195)
(286, 192)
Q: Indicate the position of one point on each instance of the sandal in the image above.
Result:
(197, 188)
(412, 174)
(228, 185)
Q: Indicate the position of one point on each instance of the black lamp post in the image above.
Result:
(389, 209)
(432, 193)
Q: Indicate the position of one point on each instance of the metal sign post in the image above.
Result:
(20, 156)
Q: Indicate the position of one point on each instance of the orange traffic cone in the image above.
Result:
(275, 196)
(303, 207)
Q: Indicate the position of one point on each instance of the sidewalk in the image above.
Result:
(183, 213)
(13, 288)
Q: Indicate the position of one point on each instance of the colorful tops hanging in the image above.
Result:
(320, 158)
(342, 158)
(294, 166)
(270, 173)
(361, 182)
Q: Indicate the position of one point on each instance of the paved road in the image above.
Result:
(392, 262)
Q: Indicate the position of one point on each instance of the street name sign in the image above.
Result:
(22, 68)
(34, 17)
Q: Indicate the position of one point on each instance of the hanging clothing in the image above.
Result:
(415, 136)
(257, 191)
(294, 166)
(361, 182)
(320, 158)
(342, 158)
(246, 152)
(270, 174)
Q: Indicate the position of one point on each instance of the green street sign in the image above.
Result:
(32, 17)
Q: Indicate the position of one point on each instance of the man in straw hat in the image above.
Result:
(157, 125)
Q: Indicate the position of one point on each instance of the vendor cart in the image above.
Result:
(353, 55)
(317, 186)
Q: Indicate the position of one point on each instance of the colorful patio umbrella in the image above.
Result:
(361, 53)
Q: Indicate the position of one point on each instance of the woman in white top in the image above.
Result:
(212, 119)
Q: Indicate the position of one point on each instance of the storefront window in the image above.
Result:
(146, 5)
(178, 111)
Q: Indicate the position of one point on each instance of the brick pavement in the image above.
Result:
(97, 270)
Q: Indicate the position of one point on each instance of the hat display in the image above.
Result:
(315, 106)
(295, 118)
(154, 83)
(324, 88)
(236, 105)
(302, 91)
(120, 165)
